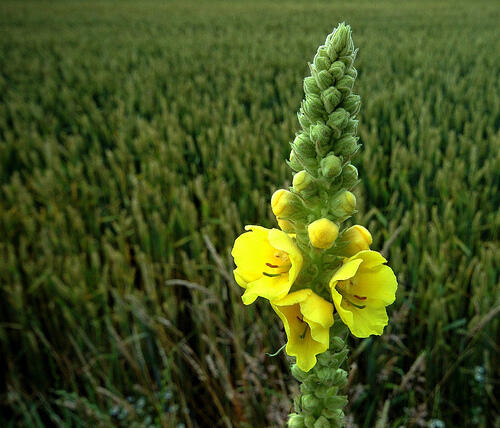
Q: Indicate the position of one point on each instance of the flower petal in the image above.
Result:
(346, 271)
(317, 310)
(251, 251)
(271, 288)
(379, 283)
(370, 258)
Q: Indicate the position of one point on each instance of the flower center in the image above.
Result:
(303, 335)
(346, 290)
(279, 264)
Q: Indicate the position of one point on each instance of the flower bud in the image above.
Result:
(337, 343)
(352, 127)
(294, 162)
(338, 121)
(313, 107)
(298, 374)
(340, 38)
(282, 202)
(321, 61)
(301, 181)
(303, 146)
(310, 86)
(349, 176)
(304, 121)
(321, 135)
(331, 98)
(357, 238)
(324, 80)
(296, 421)
(322, 422)
(337, 70)
(352, 104)
(343, 205)
(331, 166)
(336, 402)
(309, 421)
(286, 225)
(348, 60)
(345, 85)
(309, 402)
(346, 146)
(352, 72)
(322, 233)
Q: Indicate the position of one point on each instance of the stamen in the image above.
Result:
(272, 266)
(271, 275)
(303, 335)
(354, 304)
(300, 319)
(360, 297)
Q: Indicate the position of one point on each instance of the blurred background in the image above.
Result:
(137, 140)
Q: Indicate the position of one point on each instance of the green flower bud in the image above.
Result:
(340, 379)
(348, 60)
(309, 402)
(309, 421)
(301, 181)
(304, 121)
(345, 85)
(313, 107)
(321, 60)
(294, 162)
(321, 422)
(343, 204)
(325, 80)
(352, 72)
(337, 70)
(352, 127)
(349, 176)
(298, 374)
(326, 374)
(321, 135)
(331, 98)
(338, 121)
(336, 402)
(346, 146)
(296, 421)
(352, 104)
(310, 86)
(340, 39)
(303, 146)
(331, 166)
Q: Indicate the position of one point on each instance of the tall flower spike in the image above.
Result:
(321, 155)
(322, 150)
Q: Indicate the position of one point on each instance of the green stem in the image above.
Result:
(320, 401)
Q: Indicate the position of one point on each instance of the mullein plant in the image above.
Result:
(311, 270)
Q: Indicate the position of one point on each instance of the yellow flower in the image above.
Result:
(357, 238)
(267, 263)
(307, 319)
(361, 289)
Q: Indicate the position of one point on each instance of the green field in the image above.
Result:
(136, 141)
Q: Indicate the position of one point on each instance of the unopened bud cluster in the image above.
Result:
(320, 198)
